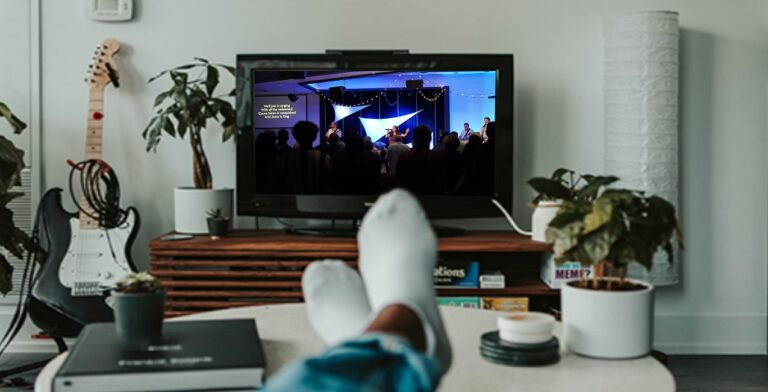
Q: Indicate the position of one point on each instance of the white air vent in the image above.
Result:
(22, 216)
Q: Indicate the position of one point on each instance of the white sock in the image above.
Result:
(336, 300)
(398, 250)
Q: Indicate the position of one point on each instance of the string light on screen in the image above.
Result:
(366, 102)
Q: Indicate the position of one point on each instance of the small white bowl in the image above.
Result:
(526, 327)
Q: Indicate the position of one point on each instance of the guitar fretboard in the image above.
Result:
(93, 144)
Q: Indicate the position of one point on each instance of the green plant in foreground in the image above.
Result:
(13, 239)
(617, 228)
(138, 282)
(187, 107)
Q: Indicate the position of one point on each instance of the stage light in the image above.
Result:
(341, 112)
(376, 128)
(293, 97)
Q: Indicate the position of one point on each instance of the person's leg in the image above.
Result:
(404, 347)
(398, 251)
(389, 356)
(400, 320)
(336, 301)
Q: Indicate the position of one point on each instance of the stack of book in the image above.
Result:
(193, 356)
(456, 274)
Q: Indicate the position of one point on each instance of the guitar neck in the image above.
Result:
(93, 138)
(95, 124)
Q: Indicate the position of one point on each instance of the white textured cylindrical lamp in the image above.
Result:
(641, 111)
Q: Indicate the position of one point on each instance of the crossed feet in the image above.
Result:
(398, 250)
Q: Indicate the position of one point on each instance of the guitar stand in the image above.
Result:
(60, 344)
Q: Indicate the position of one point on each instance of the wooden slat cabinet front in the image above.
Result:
(265, 267)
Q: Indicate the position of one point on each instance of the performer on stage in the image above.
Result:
(484, 129)
(466, 132)
(333, 129)
(394, 132)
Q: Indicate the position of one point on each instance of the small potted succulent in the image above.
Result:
(139, 299)
(218, 224)
(609, 316)
(562, 185)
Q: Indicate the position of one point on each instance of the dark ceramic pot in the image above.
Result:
(139, 318)
(218, 227)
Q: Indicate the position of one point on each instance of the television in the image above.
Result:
(382, 119)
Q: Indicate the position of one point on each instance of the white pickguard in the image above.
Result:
(96, 259)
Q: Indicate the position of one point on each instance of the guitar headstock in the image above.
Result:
(103, 68)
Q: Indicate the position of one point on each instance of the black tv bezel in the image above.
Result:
(355, 206)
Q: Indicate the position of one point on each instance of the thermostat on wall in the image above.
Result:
(109, 10)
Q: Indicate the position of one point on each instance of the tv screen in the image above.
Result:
(325, 138)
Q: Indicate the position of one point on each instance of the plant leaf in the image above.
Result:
(168, 126)
(559, 173)
(594, 184)
(6, 274)
(211, 79)
(17, 125)
(11, 164)
(229, 68)
(162, 97)
(550, 188)
(600, 215)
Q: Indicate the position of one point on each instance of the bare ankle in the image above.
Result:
(403, 321)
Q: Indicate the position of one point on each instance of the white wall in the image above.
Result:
(720, 305)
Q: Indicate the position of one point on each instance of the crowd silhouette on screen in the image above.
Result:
(351, 164)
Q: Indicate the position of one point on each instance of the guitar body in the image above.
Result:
(90, 260)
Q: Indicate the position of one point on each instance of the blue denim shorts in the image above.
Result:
(372, 362)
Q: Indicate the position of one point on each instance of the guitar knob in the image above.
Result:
(106, 275)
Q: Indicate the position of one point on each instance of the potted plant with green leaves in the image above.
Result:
(608, 315)
(562, 185)
(139, 299)
(186, 109)
(13, 239)
(218, 224)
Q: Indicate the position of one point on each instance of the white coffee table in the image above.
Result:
(286, 335)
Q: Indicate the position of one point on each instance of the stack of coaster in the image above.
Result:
(502, 352)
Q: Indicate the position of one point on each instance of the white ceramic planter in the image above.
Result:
(544, 212)
(608, 324)
(191, 208)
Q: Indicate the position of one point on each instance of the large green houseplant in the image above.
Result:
(186, 108)
(609, 316)
(619, 227)
(13, 239)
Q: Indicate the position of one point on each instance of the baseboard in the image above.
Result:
(711, 334)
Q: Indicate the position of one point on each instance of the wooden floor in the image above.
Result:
(692, 372)
(709, 373)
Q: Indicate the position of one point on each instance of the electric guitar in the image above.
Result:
(83, 260)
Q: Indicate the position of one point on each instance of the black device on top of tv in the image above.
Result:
(367, 94)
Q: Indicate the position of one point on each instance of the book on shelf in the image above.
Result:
(456, 274)
(505, 304)
(556, 274)
(460, 302)
(492, 280)
(193, 356)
